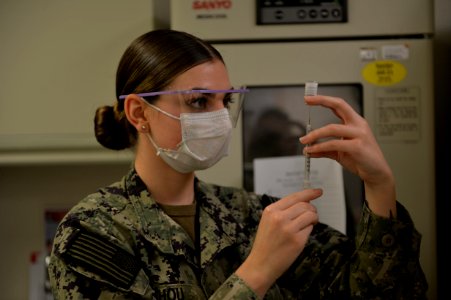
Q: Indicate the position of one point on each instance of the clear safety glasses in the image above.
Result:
(177, 102)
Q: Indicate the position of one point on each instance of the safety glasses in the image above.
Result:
(203, 100)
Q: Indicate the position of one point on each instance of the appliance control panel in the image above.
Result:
(301, 11)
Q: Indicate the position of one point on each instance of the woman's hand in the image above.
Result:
(354, 146)
(281, 236)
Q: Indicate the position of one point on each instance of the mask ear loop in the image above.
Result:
(144, 127)
(154, 144)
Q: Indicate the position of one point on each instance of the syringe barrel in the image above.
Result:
(311, 89)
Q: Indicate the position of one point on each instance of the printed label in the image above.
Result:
(398, 114)
(384, 72)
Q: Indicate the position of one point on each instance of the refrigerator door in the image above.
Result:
(396, 79)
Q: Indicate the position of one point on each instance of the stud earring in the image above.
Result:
(143, 128)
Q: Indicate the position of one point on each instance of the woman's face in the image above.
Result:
(211, 75)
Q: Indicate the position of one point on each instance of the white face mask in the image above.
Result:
(205, 140)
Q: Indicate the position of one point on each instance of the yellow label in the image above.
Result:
(384, 72)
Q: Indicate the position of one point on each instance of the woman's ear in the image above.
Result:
(134, 110)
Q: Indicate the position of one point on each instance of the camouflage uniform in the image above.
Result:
(118, 243)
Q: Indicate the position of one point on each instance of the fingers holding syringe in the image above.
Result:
(333, 133)
(351, 136)
(338, 106)
(287, 224)
(352, 145)
(296, 198)
(353, 126)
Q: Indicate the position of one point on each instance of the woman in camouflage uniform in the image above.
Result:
(160, 233)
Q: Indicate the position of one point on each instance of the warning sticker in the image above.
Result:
(384, 72)
(398, 114)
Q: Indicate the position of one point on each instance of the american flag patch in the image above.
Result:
(103, 258)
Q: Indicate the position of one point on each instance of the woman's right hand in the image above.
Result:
(281, 236)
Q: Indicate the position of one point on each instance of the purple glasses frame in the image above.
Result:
(241, 90)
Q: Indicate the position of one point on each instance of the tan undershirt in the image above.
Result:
(184, 215)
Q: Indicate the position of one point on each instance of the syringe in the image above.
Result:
(311, 89)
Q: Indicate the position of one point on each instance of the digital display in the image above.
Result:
(301, 11)
(294, 2)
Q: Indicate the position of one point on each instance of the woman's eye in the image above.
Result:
(206, 103)
(198, 102)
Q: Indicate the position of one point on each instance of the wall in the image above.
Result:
(26, 192)
(62, 53)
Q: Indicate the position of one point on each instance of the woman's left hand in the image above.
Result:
(354, 146)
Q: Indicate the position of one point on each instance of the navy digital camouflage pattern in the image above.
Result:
(119, 244)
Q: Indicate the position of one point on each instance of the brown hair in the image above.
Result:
(150, 63)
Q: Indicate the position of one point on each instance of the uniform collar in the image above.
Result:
(156, 226)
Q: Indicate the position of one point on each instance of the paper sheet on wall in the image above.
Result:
(280, 176)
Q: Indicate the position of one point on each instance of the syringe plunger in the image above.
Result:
(311, 88)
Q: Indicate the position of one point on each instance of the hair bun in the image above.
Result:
(108, 130)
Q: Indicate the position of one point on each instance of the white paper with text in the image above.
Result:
(281, 176)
